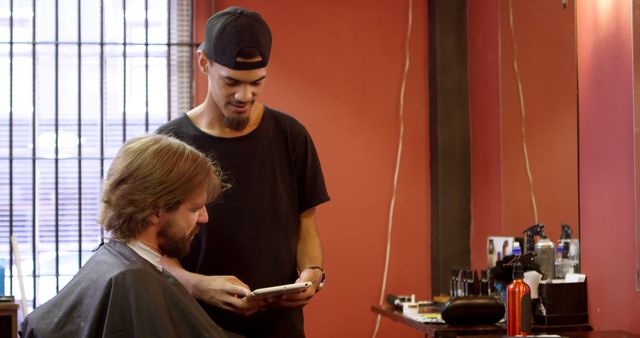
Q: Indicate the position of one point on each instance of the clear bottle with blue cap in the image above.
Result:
(567, 253)
(516, 249)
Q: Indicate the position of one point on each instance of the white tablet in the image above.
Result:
(279, 290)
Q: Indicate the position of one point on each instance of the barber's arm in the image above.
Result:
(309, 257)
(227, 292)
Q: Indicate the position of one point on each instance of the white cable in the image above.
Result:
(392, 204)
(522, 111)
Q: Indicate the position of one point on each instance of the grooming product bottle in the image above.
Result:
(562, 265)
(567, 253)
(484, 283)
(453, 283)
(545, 257)
(516, 250)
(518, 304)
(545, 253)
(529, 241)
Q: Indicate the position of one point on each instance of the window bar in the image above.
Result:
(124, 71)
(56, 106)
(168, 60)
(146, 65)
(10, 141)
(79, 134)
(89, 43)
(33, 151)
(95, 43)
(101, 102)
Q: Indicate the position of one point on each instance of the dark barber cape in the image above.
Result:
(120, 294)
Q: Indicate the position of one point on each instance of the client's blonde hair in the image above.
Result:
(148, 174)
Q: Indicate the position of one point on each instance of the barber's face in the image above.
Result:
(181, 225)
(234, 92)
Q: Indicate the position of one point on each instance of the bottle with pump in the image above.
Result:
(518, 304)
(544, 249)
(529, 240)
(566, 253)
(561, 264)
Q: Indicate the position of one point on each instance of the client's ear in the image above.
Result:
(154, 219)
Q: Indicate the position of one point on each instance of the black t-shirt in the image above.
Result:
(253, 227)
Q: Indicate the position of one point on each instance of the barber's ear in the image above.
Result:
(203, 62)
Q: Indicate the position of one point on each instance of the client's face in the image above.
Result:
(181, 225)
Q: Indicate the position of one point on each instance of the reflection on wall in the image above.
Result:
(544, 35)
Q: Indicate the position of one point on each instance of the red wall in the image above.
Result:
(484, 110)
(338, 69)
(606, 163)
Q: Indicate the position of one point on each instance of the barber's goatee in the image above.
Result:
(236, 123)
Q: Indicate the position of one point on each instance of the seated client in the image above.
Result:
(153, 201)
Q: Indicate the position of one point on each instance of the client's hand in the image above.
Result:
(227, 292)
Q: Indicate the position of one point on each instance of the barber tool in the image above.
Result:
(399, 301)
(473, 310)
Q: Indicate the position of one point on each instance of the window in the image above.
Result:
(77, 78)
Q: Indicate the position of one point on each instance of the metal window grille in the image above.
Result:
(77, 79)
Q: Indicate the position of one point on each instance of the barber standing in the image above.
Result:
(263, 230)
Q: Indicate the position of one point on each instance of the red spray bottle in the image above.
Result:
(518, 304)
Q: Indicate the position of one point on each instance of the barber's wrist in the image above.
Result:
(321, 282)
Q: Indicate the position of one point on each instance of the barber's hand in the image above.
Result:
(292, 300)
(229, 293)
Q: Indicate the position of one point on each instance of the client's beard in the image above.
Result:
(172, 244)
(236, 123)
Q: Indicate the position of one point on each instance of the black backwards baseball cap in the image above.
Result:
(233, 29)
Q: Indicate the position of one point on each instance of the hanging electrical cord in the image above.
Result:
(392, 204)
(522, 113)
